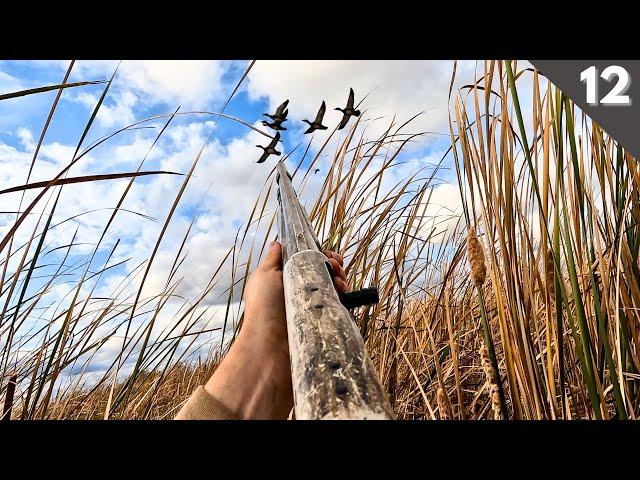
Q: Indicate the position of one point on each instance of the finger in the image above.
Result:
(341, 285)
(334, 255)
(338, 271)
(273, 260)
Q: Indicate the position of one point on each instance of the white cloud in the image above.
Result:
(442, 212)
(26, 138)
(190, 83)
(117, 114)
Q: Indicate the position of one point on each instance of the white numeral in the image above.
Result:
(616, 95)
(590, 75)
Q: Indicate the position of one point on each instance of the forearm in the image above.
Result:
(249, 380)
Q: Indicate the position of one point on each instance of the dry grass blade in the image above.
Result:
(85, 178)
(48, 88)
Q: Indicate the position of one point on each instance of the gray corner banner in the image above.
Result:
(617, 115)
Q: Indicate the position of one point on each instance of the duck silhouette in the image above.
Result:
(317, 123)
(269, 149)
(348, 111)
(281, 114)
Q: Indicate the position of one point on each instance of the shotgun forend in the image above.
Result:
(332, 375)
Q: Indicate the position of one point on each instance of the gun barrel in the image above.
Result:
(332, 374)
(296, 233)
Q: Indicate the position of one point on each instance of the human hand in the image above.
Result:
(254, 378)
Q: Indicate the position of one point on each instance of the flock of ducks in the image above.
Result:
(280, 116)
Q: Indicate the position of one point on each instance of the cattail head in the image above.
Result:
(491, 377)
(8, 399)
(442, 404)
(476, 259)
(486, 364)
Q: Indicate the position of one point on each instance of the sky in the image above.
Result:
(226, 181)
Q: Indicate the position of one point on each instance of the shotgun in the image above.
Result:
(332, 374)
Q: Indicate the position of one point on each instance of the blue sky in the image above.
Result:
(226, 181)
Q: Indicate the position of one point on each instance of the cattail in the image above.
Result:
(442, 404)
(8, 399)
(491, 377)
(476, 259)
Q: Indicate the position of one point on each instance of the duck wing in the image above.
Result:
(351, 99)
(344, 121)
(275, 141)
(320, 114)
(281, 108)
(263, 157)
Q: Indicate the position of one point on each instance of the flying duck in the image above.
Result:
(348, 111)
(281, 113)
(317, 123)
(269, 149)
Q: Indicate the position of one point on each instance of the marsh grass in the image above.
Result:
(549, 201)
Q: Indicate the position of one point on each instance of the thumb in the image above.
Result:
(273, 260)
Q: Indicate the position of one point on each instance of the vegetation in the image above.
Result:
(524, 304)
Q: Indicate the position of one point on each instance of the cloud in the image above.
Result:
(190, 83)
(118, 112)
(26, 138)
(442, 212)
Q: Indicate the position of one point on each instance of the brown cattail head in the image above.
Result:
(492, 381)
(476, 259)
(8, 399)
(442, 404)
(486, 364)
